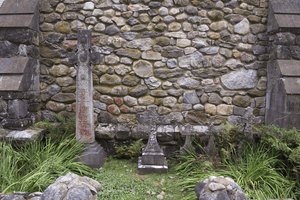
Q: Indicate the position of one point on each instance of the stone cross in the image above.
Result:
(152, 159)
(82, 57)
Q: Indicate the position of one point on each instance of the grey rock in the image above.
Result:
(215, 99)
(110, 79)
(143, 68)
(151, 55)
(155, 4)
(53, 89)
(152, 83)
(112, 30)
(119, 91)
(242, 27)
(130, 35)
(99, 105)
(191, 61)
(150, 34)
(194, 20)
(190, 97)
(210, 50)
(191, 10)
(168, 73)
(295, 52)
(233, 64)
(258, 50)
(131, 53)
(138, 28)
(174, 92)
(120, 7)
(244, 79)
(258, 28)
(199, 43)
(105, 131)
(162, 41)
(132, 21)
(64, 97)
(168, 19)
(143, 44)
(188, 83)
(138, 91)
(8, 49)
(131, 80)
(234, 18)
(219, 188)
(172, 63)
(172, 52)
(80, 187)
(285, 38)
(218, 61)
(106, 117)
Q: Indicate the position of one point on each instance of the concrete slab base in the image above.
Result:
(149, 169)
(94, 156)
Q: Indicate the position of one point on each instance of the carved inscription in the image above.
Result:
(293, 106)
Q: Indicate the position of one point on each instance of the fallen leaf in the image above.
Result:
(148, 192)
(156, 184)
(153, 192)
(162, 182)
(159, 196)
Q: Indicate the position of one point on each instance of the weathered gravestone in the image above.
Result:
(153, 159)
(94, 155)
(187, 148)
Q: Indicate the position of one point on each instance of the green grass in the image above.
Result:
(254, 171)
(35, 166)
(120, 180)
(259, 171)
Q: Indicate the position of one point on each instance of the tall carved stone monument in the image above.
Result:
(153, 159)
(94, 155)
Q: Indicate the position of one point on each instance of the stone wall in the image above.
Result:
(201, 62)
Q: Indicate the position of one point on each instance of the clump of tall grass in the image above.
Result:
(258, 169)
(260, 174)
(35, 166)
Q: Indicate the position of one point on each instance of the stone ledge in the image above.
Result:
(22, 137)
(109, 131)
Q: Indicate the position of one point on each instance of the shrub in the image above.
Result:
(133, 151)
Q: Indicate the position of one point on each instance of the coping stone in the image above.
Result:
(16, 73)
(18, 6)
(28, 135)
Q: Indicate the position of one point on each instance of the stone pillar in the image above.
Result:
(94, 155)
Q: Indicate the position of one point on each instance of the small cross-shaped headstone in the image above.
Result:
(82, 57)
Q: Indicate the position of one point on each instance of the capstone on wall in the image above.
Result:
(201, 62)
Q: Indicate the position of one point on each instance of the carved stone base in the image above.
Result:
(94, 156)
(149, 169)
